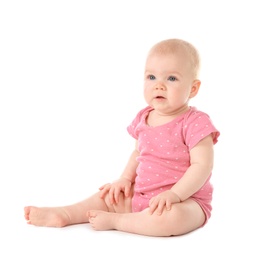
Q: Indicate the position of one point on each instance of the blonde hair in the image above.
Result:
(177, 45)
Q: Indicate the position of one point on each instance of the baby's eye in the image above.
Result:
(172, 78)
(151, 77)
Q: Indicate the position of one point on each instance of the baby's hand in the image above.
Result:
(163, 200)
(113, 189)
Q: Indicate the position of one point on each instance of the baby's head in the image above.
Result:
(183, 49)
(171, 76)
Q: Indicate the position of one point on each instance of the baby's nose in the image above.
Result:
(160, 86)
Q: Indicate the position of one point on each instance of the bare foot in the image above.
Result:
(48, 217)
(102, 220)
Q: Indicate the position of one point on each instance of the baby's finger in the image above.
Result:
(104, 191)
(127, 191)
(116, 195)
(160, 207)
(168, 205)
(111, 195)
(152, 206)
(103, 186)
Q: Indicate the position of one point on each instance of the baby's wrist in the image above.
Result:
(177, 196)
(125, 178)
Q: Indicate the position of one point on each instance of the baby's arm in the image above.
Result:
(130, 169)
(124, 183)
(201, 160)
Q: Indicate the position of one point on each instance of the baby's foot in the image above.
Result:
(102, 220)
(48, 217)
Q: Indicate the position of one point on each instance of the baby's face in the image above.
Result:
(168, 82)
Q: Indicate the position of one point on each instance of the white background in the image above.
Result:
(71, 79)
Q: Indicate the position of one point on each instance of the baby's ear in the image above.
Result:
(194, 88)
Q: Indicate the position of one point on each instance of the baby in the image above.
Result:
(165, 188)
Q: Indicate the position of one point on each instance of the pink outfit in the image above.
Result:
(164, 155)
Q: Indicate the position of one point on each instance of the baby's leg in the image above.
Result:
(182, 218)
(46, 216)
(64, 216)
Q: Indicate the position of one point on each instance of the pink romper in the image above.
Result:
(164, 155)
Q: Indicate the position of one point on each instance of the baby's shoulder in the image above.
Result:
(195, 115)
(144, 112)
(194, 112)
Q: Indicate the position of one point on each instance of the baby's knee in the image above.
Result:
(108, 203)
(171, 221)
(123, 204)
(182, 218)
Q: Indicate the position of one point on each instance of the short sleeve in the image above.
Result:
(197, 126)
(133, 128)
